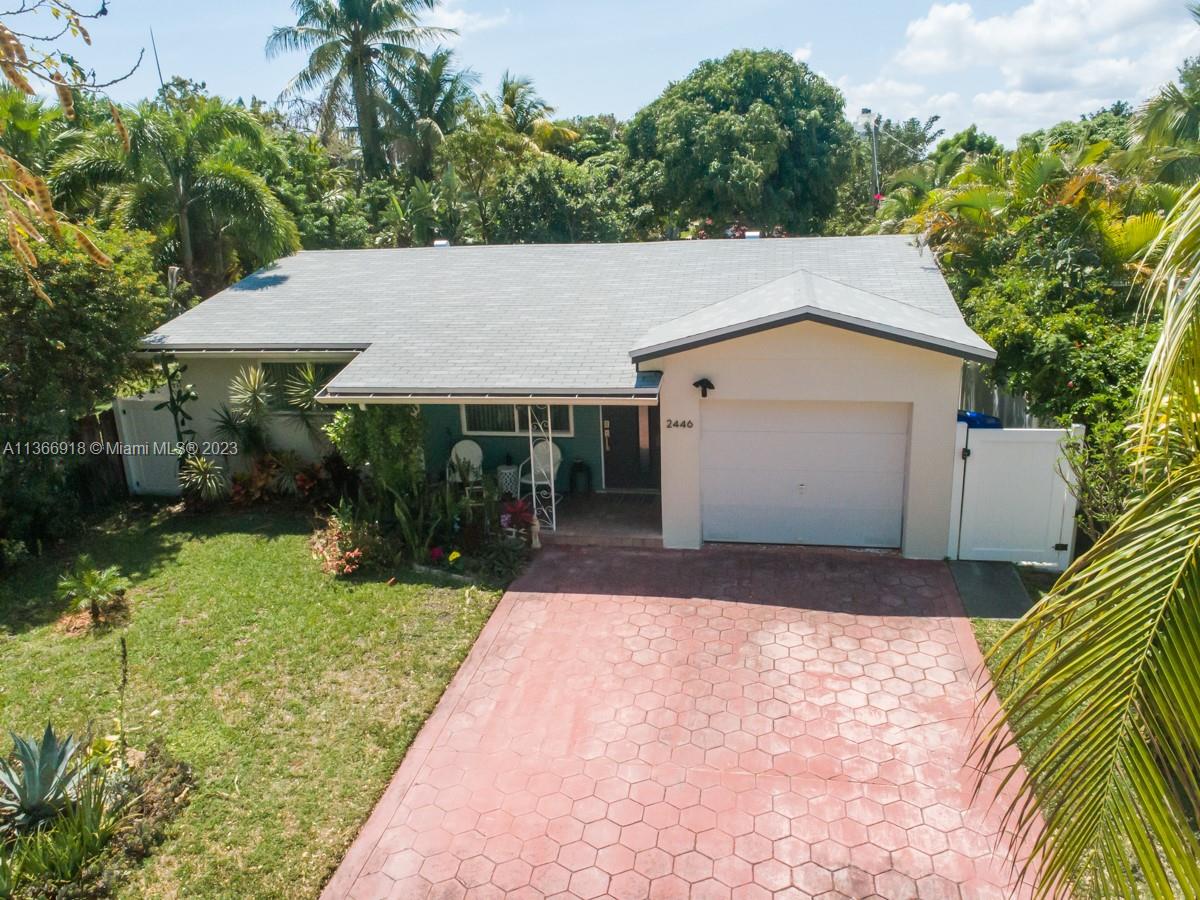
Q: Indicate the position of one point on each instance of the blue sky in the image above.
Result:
(1009, 66)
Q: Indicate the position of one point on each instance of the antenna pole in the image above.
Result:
(157, 65)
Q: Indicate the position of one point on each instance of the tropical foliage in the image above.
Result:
(59, 361)
(180, 172)
(1116, 682)
(1102, 672)
(755, 138)
(90, 589)
(353, 44)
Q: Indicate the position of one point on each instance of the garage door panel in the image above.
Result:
(839, 527)
(804, 418)
(798, 472)
(801, 452)
(798, 490)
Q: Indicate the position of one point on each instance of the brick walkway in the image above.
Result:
(739, 722)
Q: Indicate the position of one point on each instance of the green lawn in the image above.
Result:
(988, 633)
(293, 695)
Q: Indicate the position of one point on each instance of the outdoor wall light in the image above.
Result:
(705, 386)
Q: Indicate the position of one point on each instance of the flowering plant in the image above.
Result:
(516, 514)
(342, 544)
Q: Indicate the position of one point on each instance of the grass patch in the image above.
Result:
(989, 634)
(292, 695)
(1037, 582)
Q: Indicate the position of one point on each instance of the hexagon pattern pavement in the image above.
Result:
(737, 722)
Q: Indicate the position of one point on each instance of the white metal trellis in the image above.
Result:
(543, 498)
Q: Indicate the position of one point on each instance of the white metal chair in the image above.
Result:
(465, 457)
(543, 463)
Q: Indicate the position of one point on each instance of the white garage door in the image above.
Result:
(803, 473)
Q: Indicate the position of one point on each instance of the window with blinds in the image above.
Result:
(500, 419)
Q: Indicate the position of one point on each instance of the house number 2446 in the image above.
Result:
(680, 423)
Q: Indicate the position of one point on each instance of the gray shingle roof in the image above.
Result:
(560, 318)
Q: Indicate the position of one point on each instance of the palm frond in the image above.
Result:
(1105, 665)
(243, 199)
(1171, 386)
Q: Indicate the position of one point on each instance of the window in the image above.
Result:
(500, 419)
(285, 379)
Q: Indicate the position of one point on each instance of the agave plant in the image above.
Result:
(39, 780)
(91, 589)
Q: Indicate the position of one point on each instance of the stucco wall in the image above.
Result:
(809, 361)
(211, 376)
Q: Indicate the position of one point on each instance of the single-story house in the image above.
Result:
(781, 390)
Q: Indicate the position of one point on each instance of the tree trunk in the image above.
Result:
(364, 112)
(185, 236)
(94, 611)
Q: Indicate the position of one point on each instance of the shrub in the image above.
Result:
(90, 589)
(202, 479)
(60, 850)
(343, 544)
(1099, 471)
(59, 360)
(12, 552)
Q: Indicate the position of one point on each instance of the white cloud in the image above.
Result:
(451, 14)
(893, 98)
(1039, 63)
(802, 54)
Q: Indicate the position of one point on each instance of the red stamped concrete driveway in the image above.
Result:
(739, 722)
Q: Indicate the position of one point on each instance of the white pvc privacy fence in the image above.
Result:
(1010, 500)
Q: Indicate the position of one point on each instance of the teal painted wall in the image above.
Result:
(443, 429)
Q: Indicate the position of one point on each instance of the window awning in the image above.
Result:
(643, 393)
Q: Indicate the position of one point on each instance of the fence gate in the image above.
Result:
(142, 426)
(1011, 503)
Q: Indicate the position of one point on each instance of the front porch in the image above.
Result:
(608, 520)
(605, 487)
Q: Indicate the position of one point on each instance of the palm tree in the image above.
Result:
(91, 589)
(995, 194)
(426, 100)
(179, 178)
(351, 44)
(1104, 672)
(1165, 137)
(525, 113)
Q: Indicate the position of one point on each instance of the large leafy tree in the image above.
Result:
(59, 360)
(351, 45)
(1105, 682)
(427, 97)
(755, 137)
(481, 155)
(174, 170)
(554, 201)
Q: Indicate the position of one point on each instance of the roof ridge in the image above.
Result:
(863, 290)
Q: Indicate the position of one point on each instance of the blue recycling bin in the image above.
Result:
(978, 419)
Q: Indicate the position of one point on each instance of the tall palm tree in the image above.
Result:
(351, 43)
(1104, 671)
(427, 97)
(178, 179)
(525, 113)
